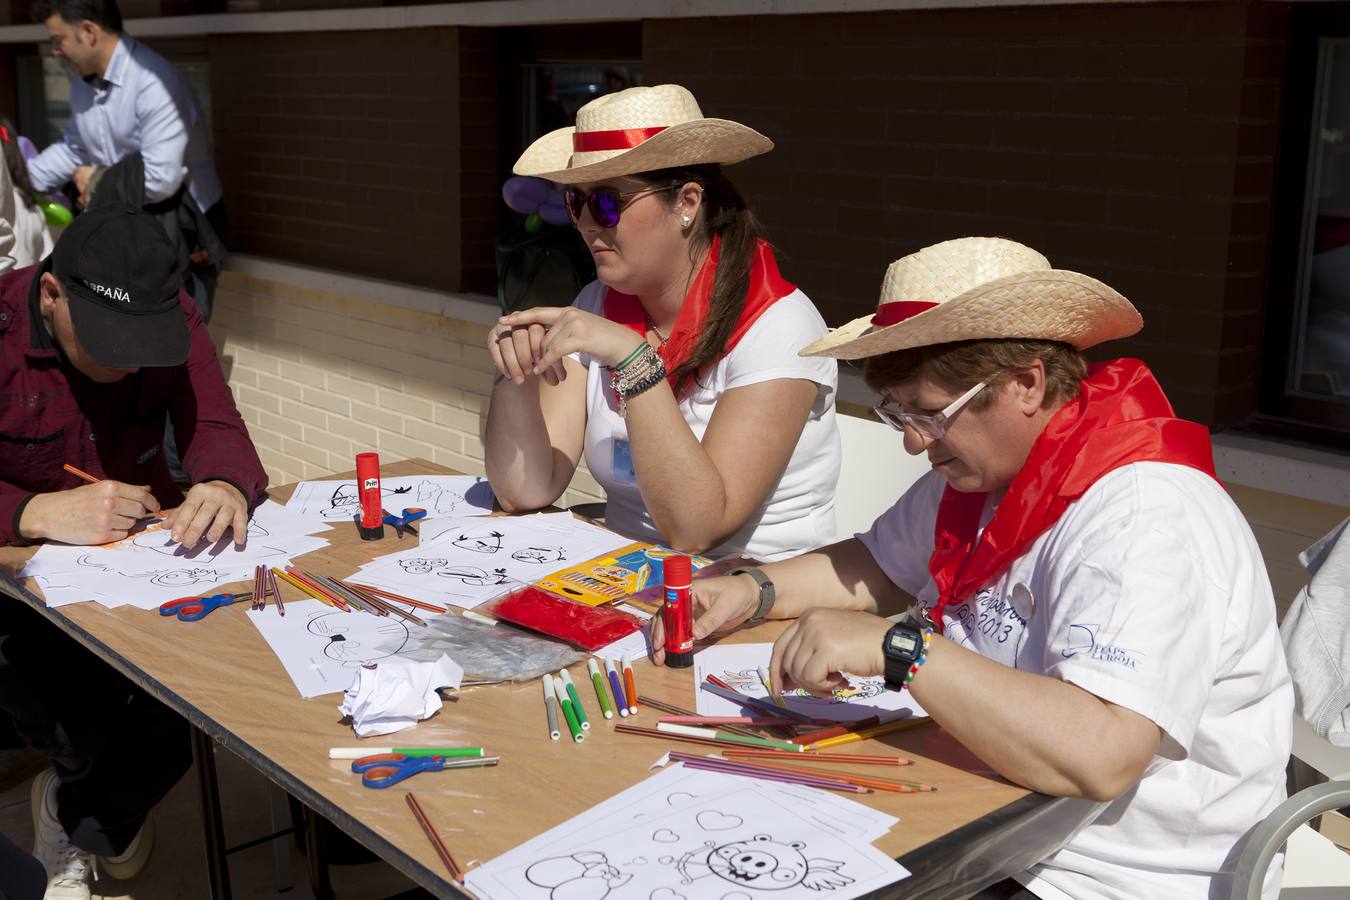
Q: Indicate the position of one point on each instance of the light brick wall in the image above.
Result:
(320, 377)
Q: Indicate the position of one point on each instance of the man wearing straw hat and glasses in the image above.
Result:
(1093, 616)
(683, 353)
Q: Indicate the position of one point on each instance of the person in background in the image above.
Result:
(1093, 618)
(32, 237)
(676, 373)
(125, 98)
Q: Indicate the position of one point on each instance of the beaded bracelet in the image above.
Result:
(641, 372)
(923, 656)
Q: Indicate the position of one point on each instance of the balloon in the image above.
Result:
(533, 223)
(26, 148)
(524, 194)
(554, 215)
(57, 215)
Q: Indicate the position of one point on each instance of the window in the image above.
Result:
(554, 92)
(1306, 380)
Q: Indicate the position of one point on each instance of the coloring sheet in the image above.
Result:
(742, 843)
(738, 665)
(147, 590)
(468, 561)
(439, 495)
(321, 647)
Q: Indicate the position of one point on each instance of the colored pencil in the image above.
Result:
(308, 592)
(276, 591)
(80, 473)
(570, 714)
(722, 720)
(600, 695)
(416, 604)
(314, 590)
(714, 734)
(892, 785)
(375, 600)
(572, 695)
(814, 756)
(551, 708)
(822, 734)
(630, 684)
(259, 588)
(726, 767)
(617, 687)
(340, 591)
(455, 871)
(447, 752)
(681, 711)
(662, 735)
(764, 679)
(868, 733)
(735, 696)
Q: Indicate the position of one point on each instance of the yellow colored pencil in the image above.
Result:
(764, 678)
(868, 733)
(284, 576)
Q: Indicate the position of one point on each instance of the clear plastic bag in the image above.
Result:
(489, 652)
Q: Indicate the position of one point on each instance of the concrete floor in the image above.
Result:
(177, 871)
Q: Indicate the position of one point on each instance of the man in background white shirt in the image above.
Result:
(128, 99)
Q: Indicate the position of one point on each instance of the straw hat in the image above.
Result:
(638, 130)
(978, 288)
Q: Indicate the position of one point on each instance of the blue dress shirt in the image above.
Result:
(141, 103)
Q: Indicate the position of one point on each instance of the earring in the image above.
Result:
(684, 221)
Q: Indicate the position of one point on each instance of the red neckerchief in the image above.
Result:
(766, 288)
(1120, 416)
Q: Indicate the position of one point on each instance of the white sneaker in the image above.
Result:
(69, 869)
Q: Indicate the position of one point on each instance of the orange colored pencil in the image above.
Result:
(379, 592)
(817, 756)
(310, 587)
(879, 784)
(80, 473)
(455, 871)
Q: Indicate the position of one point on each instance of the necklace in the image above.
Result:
(652, 325)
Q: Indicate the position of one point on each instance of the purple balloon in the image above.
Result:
(554, 215)
(26, 148)
(524, 194)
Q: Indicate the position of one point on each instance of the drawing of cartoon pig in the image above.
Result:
(764, 864)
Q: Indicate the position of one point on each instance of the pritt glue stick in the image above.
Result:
(370, 523)
(677, 614)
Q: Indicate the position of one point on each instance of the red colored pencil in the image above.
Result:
(455, 871)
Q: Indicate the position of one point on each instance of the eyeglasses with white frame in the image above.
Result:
(933, 427)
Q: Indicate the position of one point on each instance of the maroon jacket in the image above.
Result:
(50, 415)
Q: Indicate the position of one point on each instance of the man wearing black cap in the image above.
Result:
(97, 344)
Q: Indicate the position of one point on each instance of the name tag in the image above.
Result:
(621, 462)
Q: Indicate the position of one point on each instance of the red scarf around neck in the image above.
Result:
(1120, 416)
(766, 288)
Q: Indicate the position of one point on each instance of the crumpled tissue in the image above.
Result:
(395, 694)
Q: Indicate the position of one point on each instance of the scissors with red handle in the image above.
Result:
(190, 609)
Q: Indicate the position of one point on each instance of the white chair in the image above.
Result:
(876, 470)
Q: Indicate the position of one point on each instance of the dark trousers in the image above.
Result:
(116, 750)
(1007, 889)
(21, 876)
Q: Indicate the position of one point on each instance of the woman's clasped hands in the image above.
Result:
(535, 342)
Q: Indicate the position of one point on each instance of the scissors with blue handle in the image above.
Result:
(385, 769)
(190, 609)
(404, 522)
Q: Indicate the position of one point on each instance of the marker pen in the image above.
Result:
(676, 613)
(370, 523)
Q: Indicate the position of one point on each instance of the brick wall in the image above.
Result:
(320, 377)
(1132, 142)
(359, 151)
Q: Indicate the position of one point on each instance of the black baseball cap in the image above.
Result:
(120, 274)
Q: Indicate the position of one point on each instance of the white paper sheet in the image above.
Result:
(730, 843)
(395, 694)
(439, 495)
(468, 561)
(147, 590)
(321, 647)
(738, 665)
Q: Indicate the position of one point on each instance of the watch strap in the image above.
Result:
(766, 592)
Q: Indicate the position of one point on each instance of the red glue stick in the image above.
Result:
(676, 614)
(370, 523)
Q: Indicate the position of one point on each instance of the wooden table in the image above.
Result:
(221, 675)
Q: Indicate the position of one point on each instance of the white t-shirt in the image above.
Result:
(32, 238)
(798, 514)
(1149, 592)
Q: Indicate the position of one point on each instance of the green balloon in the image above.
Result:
(533, 223)
(57, 215)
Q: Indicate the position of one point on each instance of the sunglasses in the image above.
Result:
(932, 427)
(605, 204)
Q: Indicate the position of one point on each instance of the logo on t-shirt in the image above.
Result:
(992, 625)
(1083, 639)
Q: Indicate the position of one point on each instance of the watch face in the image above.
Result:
(904, 642)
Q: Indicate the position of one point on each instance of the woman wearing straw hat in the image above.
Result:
(677, 373)
(1093, 616)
